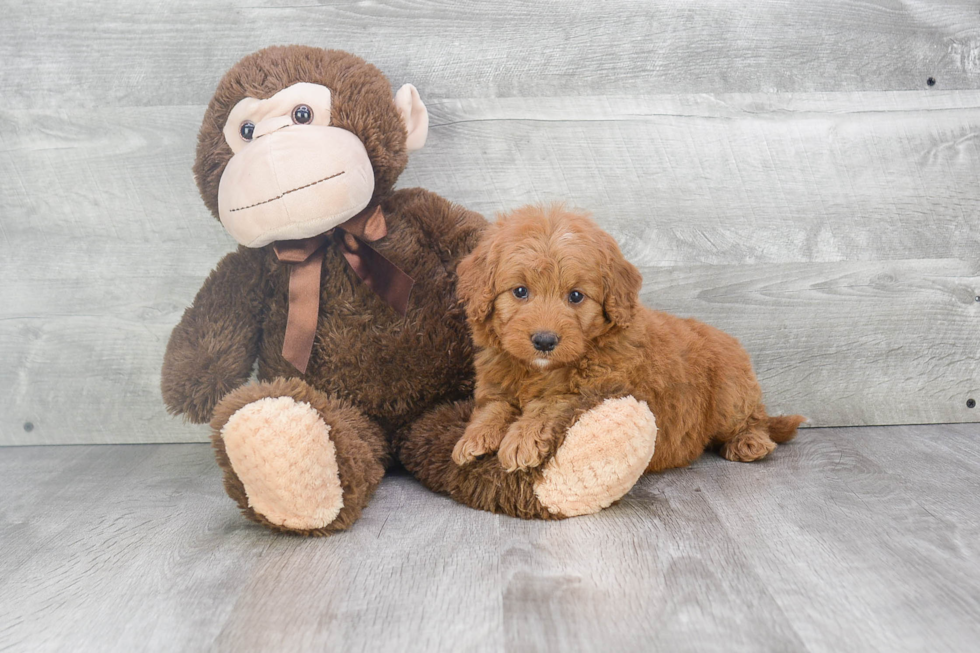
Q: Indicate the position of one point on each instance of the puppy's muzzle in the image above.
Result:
(544, 340)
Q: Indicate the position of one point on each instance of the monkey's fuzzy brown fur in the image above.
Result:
(426, 451)
(697, 380)
(389, 367)
(373, 373)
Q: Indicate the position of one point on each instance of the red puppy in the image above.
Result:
(555, 309)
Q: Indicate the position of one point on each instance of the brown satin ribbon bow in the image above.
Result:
(305, 259)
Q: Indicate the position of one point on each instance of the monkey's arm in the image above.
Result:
(452, 229)
(212, 349)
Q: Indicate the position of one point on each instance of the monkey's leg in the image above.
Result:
(602, 455)
(296, 460)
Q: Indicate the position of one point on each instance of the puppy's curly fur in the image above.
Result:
(547, 273)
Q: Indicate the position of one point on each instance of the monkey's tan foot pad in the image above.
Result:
(282, 452)
(604, 453)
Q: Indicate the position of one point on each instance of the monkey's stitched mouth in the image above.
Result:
(281, 195)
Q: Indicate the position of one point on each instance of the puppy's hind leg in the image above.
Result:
(750, 441)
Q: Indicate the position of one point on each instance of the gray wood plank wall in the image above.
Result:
(780, 169)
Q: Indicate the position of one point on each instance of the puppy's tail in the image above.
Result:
(782, 428)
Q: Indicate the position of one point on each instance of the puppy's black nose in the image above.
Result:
(544, 340)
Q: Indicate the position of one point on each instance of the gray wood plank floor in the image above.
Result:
(847, 539)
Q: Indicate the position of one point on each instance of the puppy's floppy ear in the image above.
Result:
(621, 283)
(475, 284)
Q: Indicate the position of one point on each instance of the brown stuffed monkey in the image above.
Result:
(343, 291)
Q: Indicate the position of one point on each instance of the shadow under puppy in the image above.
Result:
(554, 308)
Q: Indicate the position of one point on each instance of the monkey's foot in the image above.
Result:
(604, 453)
(282, 453)
(296, 460)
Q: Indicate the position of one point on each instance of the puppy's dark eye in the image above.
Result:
(246, 130)
(520, 292)
(575, 297)
(302, 115)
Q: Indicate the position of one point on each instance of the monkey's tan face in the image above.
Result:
(293, 175)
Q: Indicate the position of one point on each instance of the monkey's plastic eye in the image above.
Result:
(520, 292)
(246, 130)
(575, 297)
(302, 115)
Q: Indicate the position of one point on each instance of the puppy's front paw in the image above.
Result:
(476, 441)
(524, 446)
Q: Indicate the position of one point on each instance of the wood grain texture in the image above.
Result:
(731, 178)
(114, 53)
(838, 480)
(844, 540)
(835, 234)
(875, 342)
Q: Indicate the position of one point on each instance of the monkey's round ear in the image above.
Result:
(414, 115)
